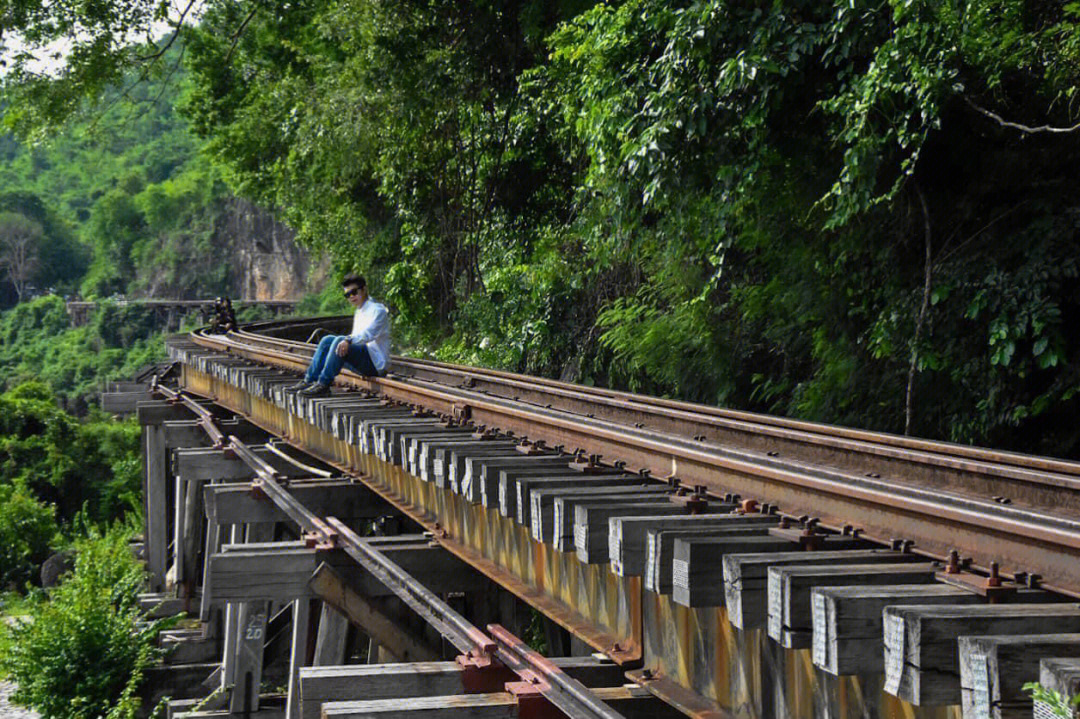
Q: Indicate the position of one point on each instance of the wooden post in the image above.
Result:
(301, 620)
(155, 488)
(251, 639)
(330, 640)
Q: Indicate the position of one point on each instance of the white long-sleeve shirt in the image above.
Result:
(371, 327)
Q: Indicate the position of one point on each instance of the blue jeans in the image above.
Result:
(326, 363)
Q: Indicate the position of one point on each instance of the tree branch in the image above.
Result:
(239, 32)
(923, 311)
(165, 48)
(1016, 125)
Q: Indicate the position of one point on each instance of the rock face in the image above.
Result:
(265, 263)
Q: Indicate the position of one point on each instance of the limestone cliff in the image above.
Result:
(265, 263)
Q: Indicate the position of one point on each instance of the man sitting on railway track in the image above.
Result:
(366, 351)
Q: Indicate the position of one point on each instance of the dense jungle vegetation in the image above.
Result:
(853, 212)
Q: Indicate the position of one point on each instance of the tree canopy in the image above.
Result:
(857, 212)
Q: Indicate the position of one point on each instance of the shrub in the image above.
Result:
(27, 534)
(82, 653)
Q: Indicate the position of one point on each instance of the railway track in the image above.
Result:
(674, 537)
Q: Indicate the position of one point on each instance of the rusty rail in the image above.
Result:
(1030, 539)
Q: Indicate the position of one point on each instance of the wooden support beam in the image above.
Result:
(156, 505)
(205, 463)
(124, 386)
(922, 663)
(627, 540)
(250, 641)
(241, 574)
(461, 706)
(281, 571)
(330, 639)
(124, 402)
(329, 585)
(354, 682)
(321, 684)
(790, 622)
(592, 528)
(847, 630)
(343, 498)
(301, 621)
(746, 577)
(160, 411)
(189, 537)
(190, 433)
(994, 669)
(213, 545)
(631, 701)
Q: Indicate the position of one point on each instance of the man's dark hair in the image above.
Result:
(357, 280)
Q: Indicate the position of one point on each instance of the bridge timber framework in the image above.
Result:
(779, 568)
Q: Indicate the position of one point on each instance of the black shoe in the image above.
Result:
(302, 384)
(317, 389)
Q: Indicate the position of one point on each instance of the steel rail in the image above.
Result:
(562, 690)
(597, 398)
(267, 484)
(1035, 543)
(1023, 480)
(203, 415)
(466, 637)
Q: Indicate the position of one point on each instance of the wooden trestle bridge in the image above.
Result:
(674, 559)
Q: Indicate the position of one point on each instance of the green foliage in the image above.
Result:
(74, 466)
(131, 203)
(1055, 701)
(37, 343)
(718, 200)
(82, 654)
(28, 533)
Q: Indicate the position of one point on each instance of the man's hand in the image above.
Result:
(343, 348)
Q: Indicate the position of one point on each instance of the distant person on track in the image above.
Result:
(366, 351)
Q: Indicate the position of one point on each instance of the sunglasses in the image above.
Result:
(353, 292)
